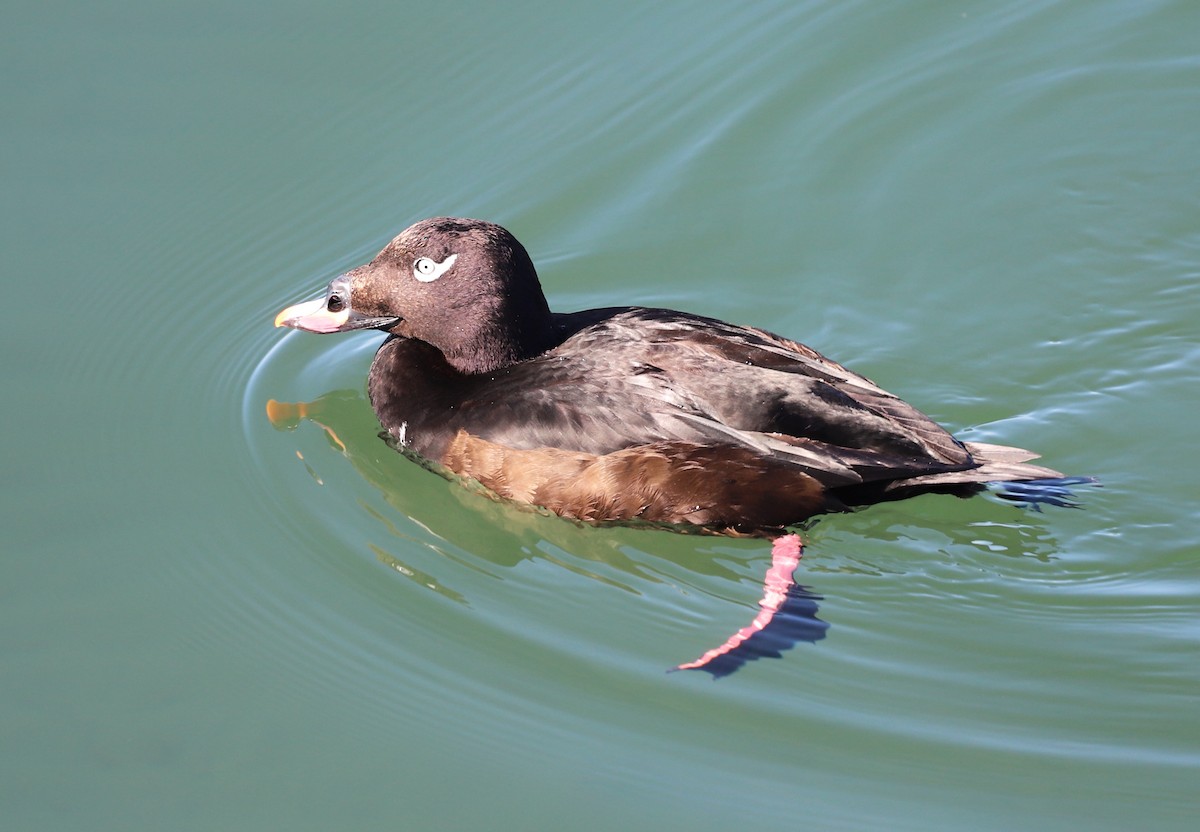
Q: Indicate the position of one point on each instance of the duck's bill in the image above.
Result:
(313, 316)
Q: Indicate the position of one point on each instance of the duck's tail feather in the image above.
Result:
(994, 463)
(1007, 472)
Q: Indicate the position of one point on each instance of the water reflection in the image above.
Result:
(788, 615)
(788, 611)
(795, 621)
(966, 535)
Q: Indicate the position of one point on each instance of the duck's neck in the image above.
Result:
(511, 331)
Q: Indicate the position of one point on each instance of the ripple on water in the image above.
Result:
(485, 593)
(399, 580)
(518, 612)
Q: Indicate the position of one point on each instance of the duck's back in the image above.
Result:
(628, 377)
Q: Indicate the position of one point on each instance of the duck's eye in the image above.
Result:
(335, 303)
(427, 270)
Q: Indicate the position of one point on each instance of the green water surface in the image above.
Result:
(208, 621)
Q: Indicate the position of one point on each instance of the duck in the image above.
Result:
(628, 414)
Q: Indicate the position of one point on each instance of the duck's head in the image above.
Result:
(464, 286)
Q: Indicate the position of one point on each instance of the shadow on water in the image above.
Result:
(794, 621)
(788, 611)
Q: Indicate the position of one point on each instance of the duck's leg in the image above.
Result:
(787, 614)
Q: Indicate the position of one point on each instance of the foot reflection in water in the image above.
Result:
(788, 614)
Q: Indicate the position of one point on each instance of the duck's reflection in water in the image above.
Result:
(787, 611)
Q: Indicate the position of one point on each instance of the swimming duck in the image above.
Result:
(626, 413)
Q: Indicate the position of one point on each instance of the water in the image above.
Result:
(212, 621)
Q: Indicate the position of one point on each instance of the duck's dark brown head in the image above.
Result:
(465, 286)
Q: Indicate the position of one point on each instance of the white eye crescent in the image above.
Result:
(427, 271)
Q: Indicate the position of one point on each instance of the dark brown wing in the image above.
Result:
(631, 377)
